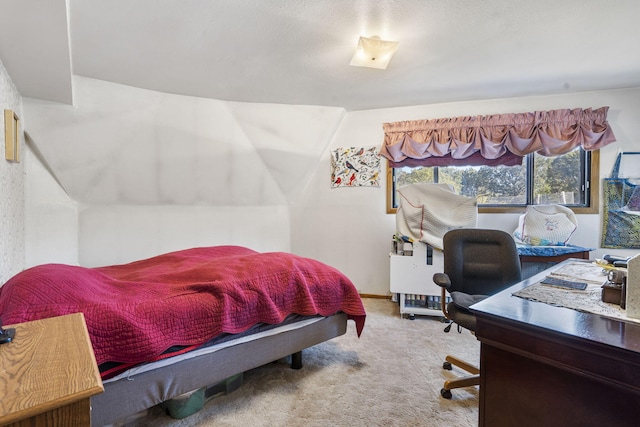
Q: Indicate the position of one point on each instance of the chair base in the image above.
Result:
(468, 381)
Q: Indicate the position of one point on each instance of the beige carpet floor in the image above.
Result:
(390, 376)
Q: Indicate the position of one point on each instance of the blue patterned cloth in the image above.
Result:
(527, 250)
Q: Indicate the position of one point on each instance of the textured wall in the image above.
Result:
(11, 189)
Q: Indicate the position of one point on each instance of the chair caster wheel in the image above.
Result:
(446, 393)
(447, 366)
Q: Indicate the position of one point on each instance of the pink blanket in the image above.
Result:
(136, 311)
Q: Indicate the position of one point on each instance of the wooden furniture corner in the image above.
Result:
(554, 258)
(48, 374)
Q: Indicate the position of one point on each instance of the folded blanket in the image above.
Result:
(427, 211)
(136, 311)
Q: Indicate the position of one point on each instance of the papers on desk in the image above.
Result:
(588, 300)
(588, 272)
(564, 283)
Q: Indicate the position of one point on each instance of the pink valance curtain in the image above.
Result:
(549, 133)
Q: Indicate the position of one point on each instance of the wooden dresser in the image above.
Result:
(48, 374)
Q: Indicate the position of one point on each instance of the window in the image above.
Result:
(570, 179)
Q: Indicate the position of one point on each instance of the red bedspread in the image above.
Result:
(136, 311)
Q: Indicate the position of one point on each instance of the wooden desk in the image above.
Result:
(554, 258)
(534, 264)
(542, 365)
(48, 374)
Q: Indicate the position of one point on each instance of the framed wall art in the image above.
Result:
(11, 136)
(355, 167)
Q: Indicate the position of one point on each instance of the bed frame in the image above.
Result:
(128, 396)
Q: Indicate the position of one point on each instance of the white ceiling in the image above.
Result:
(298, 51)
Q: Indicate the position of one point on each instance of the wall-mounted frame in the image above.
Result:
(11, 136)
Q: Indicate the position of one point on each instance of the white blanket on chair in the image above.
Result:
(427, 211)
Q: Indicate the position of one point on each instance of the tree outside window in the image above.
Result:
(561, 180)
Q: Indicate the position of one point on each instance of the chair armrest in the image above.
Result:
(442, 280)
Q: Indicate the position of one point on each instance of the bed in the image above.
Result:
(170, 324)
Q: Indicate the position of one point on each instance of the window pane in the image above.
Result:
(406, 176)
(558, 179)
(539, 180)
(497, 185)
(491, 185)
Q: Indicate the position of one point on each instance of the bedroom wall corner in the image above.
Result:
(51, 216)
(347, 227)
(155, 172)
(12, 225)
(120, 234)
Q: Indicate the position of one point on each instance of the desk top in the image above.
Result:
(48, 364)
(506, 308)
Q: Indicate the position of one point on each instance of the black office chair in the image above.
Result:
(477, 263)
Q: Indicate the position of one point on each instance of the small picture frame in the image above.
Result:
(11, 136)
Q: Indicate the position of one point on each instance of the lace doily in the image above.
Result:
(588, 300)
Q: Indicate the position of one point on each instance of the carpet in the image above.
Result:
(390, 376)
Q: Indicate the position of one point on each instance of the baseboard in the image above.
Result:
(375, 296)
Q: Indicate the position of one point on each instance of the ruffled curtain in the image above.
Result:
(498, 138)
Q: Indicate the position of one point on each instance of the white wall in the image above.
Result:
(157, 172)
(148, 182)
(115, 234)
(348, 227)
(11, 188)
(51, 234)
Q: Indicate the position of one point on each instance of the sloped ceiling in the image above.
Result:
(298, 51)
(130, 146)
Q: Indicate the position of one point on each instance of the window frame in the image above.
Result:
(592, 181)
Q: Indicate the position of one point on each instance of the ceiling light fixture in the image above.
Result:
(373, 52)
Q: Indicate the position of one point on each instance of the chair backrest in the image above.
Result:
(480, 261)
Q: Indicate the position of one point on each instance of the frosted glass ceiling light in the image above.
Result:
(373, 52)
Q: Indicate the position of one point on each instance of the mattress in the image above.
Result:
(114, 372)
(134, 392)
